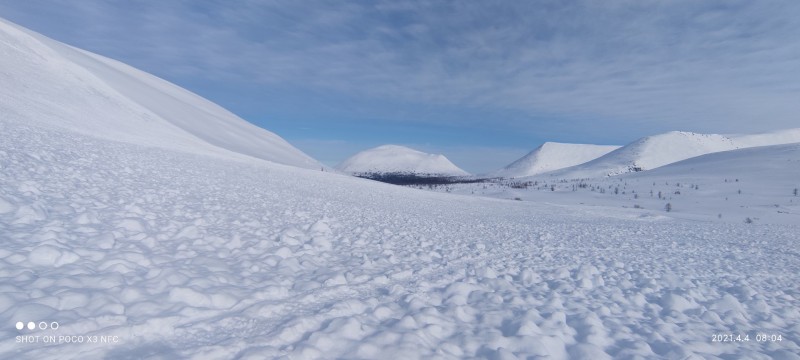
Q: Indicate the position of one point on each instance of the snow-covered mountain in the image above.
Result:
(49, 83)
(399, 159)
(552, 156)
(658, 150)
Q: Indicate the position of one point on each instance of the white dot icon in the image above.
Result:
(31, 325)
(20, 325)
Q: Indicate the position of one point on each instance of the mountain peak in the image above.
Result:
(552, 156)
(399, 159)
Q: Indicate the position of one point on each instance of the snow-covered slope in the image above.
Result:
(787, 136)
(658, 150)
(756, 183)
(49, 83)
(399, 159)
(175, 255)
(552, 156)
(758, 163)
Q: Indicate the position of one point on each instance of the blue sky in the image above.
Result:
(482, 82)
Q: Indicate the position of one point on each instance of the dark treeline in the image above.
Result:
(417, 179)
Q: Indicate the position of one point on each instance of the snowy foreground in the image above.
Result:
(172, 255)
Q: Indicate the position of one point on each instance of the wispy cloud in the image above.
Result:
(588, 66)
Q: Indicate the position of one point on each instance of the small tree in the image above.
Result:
(748, 221)
(795, 191)
(668, 207)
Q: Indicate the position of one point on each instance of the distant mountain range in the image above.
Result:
(658, 150)
(563, 160)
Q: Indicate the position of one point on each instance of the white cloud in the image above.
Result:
(704, 66)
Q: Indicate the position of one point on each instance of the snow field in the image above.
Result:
(190, 256)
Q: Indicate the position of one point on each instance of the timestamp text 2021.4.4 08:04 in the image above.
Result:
(759, 337)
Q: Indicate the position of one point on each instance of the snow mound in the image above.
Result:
(658, 150)
(399, 159)
(552, 156)
(52, 84)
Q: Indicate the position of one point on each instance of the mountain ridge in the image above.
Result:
(658, 150)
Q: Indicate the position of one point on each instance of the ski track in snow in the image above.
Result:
(186, 256)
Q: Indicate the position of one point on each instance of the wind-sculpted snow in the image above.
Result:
(188, 256)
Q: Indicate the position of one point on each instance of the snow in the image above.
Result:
(787, 136)
(53, 84)
(552, 156)
(399, 159)
(173, 248)
(658, 150)
(730, 186)
(200, 257)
